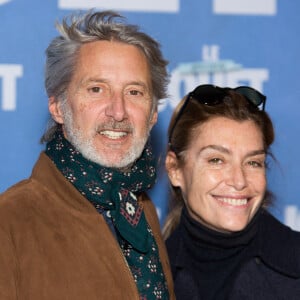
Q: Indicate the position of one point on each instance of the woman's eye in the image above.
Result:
(256, 164)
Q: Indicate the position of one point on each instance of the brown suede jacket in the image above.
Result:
(54, 245)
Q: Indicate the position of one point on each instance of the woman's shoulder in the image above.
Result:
(272, 225)
(279, 246)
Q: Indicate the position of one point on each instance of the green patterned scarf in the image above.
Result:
(115, 193)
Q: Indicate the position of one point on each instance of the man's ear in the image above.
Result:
(173, 169)
(55, 110)
(154, 118)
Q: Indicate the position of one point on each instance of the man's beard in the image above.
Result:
(88, 150)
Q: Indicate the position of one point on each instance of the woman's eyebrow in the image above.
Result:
(227, 151)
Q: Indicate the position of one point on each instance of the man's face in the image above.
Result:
(108, 113)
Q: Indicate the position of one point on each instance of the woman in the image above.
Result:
(222, 242)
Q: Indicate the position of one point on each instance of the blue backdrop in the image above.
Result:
(224, 42)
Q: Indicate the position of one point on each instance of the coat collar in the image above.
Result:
(276, 245)
(279, 246)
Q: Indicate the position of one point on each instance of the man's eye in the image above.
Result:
(98, 92)
(135, 93)
(215, 161)
(95, 89)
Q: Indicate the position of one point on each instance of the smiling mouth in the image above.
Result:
(233, 201)
(114, 135)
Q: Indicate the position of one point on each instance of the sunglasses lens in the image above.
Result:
(213, 95)
(251, 94)
(208, 94)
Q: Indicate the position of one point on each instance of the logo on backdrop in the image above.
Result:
(4, 1)
(292, 217)
(245, 7)
(211, 69)
(171, 6)
(8, 79)
(235, 7)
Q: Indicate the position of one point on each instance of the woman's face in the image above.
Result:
(223, 178)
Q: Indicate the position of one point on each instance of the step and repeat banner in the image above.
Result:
(223, 42)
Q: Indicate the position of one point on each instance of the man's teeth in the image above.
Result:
(235, 202)
(113, 134)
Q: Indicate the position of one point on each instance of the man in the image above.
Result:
(82, 227)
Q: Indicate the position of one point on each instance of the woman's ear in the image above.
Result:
(173, 169)
(55, 110)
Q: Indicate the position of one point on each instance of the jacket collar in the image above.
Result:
(279, 246)
(276, 245)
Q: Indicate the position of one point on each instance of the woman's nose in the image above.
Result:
(237, 178)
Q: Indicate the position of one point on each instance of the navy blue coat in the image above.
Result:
(273, 273)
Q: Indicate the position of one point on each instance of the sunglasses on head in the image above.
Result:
(211, 95)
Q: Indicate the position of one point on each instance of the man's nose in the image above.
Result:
(116, 108)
